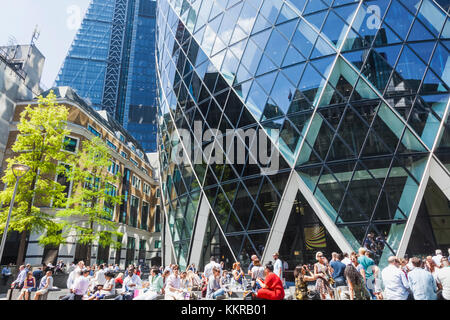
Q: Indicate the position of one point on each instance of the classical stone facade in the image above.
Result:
(137, 217)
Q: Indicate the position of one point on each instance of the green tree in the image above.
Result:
(89, 211)
(39, 145)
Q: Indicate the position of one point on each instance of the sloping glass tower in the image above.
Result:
(353, 98)
(112, 63)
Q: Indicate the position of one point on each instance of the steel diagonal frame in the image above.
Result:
(112, 74)
(340, 238)
(368, 83)
(204, 197)
(342, 244)
(419, 192)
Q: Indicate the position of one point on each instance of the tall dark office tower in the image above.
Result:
(353, 94)
(112, 63)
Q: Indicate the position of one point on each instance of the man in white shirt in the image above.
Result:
(437, 258)
(100, 279)
(74, 274)
(443, 279)
(81, 285)
(173, 290)
(209, 267)
(395, 283)
(277, 265)
(132, 281)
(346, 259)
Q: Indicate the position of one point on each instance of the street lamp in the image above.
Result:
(19, 170)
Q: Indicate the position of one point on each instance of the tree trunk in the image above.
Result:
(88, 254)
(23, 236)
(21, 254)
(89, 248)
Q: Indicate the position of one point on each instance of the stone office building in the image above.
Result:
(138, 217)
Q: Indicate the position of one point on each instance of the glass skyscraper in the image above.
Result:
(112, 63)
(353, 97)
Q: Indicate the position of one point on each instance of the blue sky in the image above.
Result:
(58, 21)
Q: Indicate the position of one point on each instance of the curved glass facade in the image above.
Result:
(354, 97)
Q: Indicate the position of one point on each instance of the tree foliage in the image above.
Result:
(39, 145)
(88, 212)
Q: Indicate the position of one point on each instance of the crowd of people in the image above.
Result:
(403, 279)
(171, 283)
(39, 280)
(353, 276)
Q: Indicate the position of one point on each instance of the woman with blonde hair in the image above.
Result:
(194, 280)
(119, 280)
(238, 274)
(322, 275)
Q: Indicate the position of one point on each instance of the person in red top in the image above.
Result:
(119, 280)
(271, 287)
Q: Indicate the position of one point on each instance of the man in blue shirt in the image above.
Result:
(394, 279)
(421, 282)
(18, 283)
(338, 269)
(38, 274)
(6, 273)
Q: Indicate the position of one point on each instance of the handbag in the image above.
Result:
(248, 296)
(331, 281)
(313, 295)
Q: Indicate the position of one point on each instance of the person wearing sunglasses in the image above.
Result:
(322, 275)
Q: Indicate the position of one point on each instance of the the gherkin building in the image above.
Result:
(352, 98)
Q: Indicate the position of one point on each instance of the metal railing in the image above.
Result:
(10, 62)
